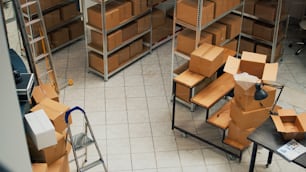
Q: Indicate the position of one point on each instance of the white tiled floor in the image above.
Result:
(131, 114)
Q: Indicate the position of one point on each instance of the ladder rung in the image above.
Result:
(28, 4)
(32, 22)
(37, 39)
(91, 165)
(45, 73)
(41, 56)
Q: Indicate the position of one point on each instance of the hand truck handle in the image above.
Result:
(71, 110)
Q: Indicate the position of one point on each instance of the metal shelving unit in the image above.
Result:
(103, 51)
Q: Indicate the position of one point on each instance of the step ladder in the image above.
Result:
(81, 141)
(35, 41)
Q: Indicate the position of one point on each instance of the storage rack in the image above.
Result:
(219, 144)
(276, 23)
(63, 24)
(104, 52)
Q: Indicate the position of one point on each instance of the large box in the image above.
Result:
(218, 31)
(187, 11)
(76, 29)
(267, 9)
(232, 45)
(144, 23)
(55, 111)
(206, 60)
(136, 48)
(248, 119)
(265, 32)
(264, 49)
(123, 55)
(95, 18)
(60, 165)
(238, 134)
(43, 91)
(113, 40)
(96, 62)
(52, 19)
(247, 26)
(40, 129)
(186, 40)
(69, 11)
(290, 126)
(60, 36)
(246, 45)
(129, 31)
(139, 6)
(158, 18)
(233, 25)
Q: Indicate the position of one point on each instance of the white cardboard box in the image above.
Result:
(40, 129)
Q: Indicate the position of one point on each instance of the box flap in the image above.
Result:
(232, 65)
(204, 48)
(254, 57)
(278, 123)
(302, 119)
(270, 72)
(286, 112)
(245, 80)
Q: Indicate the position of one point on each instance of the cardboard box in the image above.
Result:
(39, 167)
(248, 119)
(76, 29)
(186, 40)
(136, 48)
(267, 9)
(232, 45)
(233, 25)
(60, 36)
(220, 7)
(206, 60)
(62, 165)
(187, 12)
(246, 45)
(264, 49)
(123, 55)
(52, 19)
(40, 129)
(113, 40)
(265, 32)
(69, 11)
(245, 98)
(253, 64)
(125, 9)
(96, 62)
(43, 91)
(144, 23)
(158, 18)
(129, 31)
(218, 31)
(161, 32)
(95, 18)
(238, 134)
(139, 6)
(249, 6)
(290, 126)
(50, 154)
(44, 4)
(56, 113)
(247, 26)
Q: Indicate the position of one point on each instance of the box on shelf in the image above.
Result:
(247, 26)
(139, 6)
(56, 113)
(218, 31)
(248, 119)
(264, 49)
(62, 164)
(158, 18)
(76, 29)
(96, 62)
(40, 129)
(136, 47)
(52, 19)
(125, 9)
(267, 9)
(239, 135)
(249, 6)
(186, 40)
(206, 59)
(39, 167)
(232, 45)
(233, 25)
(246, 45)
(290, 126)
(265, 32)
(43, 91)
(187, 11)
(113, 40)
(95, 17)
(44, 4)
(161, 32)
(144, 23)
(129, 31)
(49, 154)
(59, 37)
(123, 55)
(69, 11)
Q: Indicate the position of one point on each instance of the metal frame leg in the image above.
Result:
(253, 157)
(173, 103)
(269, 161)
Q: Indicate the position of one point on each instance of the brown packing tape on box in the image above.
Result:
(44, 91)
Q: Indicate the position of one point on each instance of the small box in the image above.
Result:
(232, 45)
(136, 48)
(56, 113)
(233, 25)
(113, 40)
(123, 55)
(52, 19)
(186, 40)
(139, 6)
(144, 23)
(69, 11)
(96, 62)
(43, 91)
(290, 126)
(264, 49)
(218, 31)
(187, 11)
(76, 29)
(95, 18)
(25, 87)
(246, 45)
(40, 129)
(60, 36)
(158, 18)
(247, 26)
(206, 60)
(129, 31)
(60, 165)
(239, 135)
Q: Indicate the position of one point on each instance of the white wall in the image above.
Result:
(13, 148)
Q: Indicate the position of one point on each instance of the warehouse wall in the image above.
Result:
(296, 8)
(14, 154)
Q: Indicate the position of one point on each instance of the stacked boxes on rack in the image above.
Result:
(245, 112)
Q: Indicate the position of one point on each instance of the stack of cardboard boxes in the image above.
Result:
(246, 113)
(52, 157)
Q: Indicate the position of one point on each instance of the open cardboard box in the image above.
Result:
(289, 125)
(253, 64)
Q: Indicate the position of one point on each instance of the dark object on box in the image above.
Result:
(25, 87)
